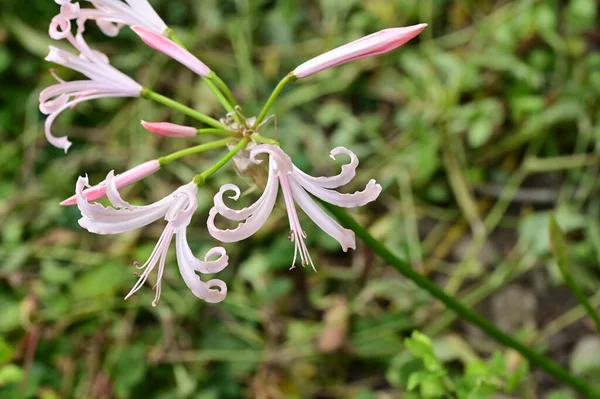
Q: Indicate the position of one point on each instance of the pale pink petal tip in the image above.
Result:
(169, 129)
(124, 179)
(374, 44)
(172, 49)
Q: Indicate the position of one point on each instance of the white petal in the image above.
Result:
(112, 192)
(344, 177)
(206, 266)
(243, 214)
(199, 288)
(282, 162)
(101, 220)
(63, 142)
(344, 236)
(184, 206)
(255, 215)
(109, 28)
(359, 198)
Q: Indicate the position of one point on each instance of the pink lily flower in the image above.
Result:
(121, 180)
(112, 15)
(177, 209)
(169, 129)
(374, 44)
(104, 81)
(172, 49)
(295, 186)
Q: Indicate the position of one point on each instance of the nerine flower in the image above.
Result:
(112, 15)
(177, 209)
(121, 180)
(295, 186)
(374, 44)
(103, 79)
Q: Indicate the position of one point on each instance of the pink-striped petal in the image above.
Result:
(172, 49)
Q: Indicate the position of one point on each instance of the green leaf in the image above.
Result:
(104, 280)
(10, 374)
(421, 347)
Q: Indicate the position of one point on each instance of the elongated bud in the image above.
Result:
(172, 49)
(377, 43)
(169, 129)
(124, 179)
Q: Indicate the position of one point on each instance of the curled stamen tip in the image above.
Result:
(136, 263)
(155, 303)
(292, 268)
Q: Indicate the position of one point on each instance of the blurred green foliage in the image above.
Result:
(477, 131)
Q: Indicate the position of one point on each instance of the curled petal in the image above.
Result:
(282, 162)
(245, 229)
(206, 266)
(50, 106)
(344, 177)
(217, 291)
(359, 198)
(344, 236)
(112, 192)
(243, 214)
(110, 29)
(199, 288)
(60, 27)
(255, 215)
(63, 142)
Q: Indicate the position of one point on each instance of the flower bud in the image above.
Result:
(377, 43)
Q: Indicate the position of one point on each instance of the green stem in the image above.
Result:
(223, 87)
(171, 35)
(219, 132)
(288, 78)
(194, 150)
(490, 329)
(159, 98)
(265, 140)
(559, 249)
(199, 179)
(225, 101)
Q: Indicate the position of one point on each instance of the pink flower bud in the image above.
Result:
(377, 43)
(172, 49)
(169, 129)
(124, 179)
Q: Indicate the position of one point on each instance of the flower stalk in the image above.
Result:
(560, 251)
(213, 81)
(194, 150)
(159, 98)
(200, 178)
(276, 92)
(223, 87)
(535, 358)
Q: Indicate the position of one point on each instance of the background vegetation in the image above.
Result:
(478, 131)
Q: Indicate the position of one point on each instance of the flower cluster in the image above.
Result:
(247, 147)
